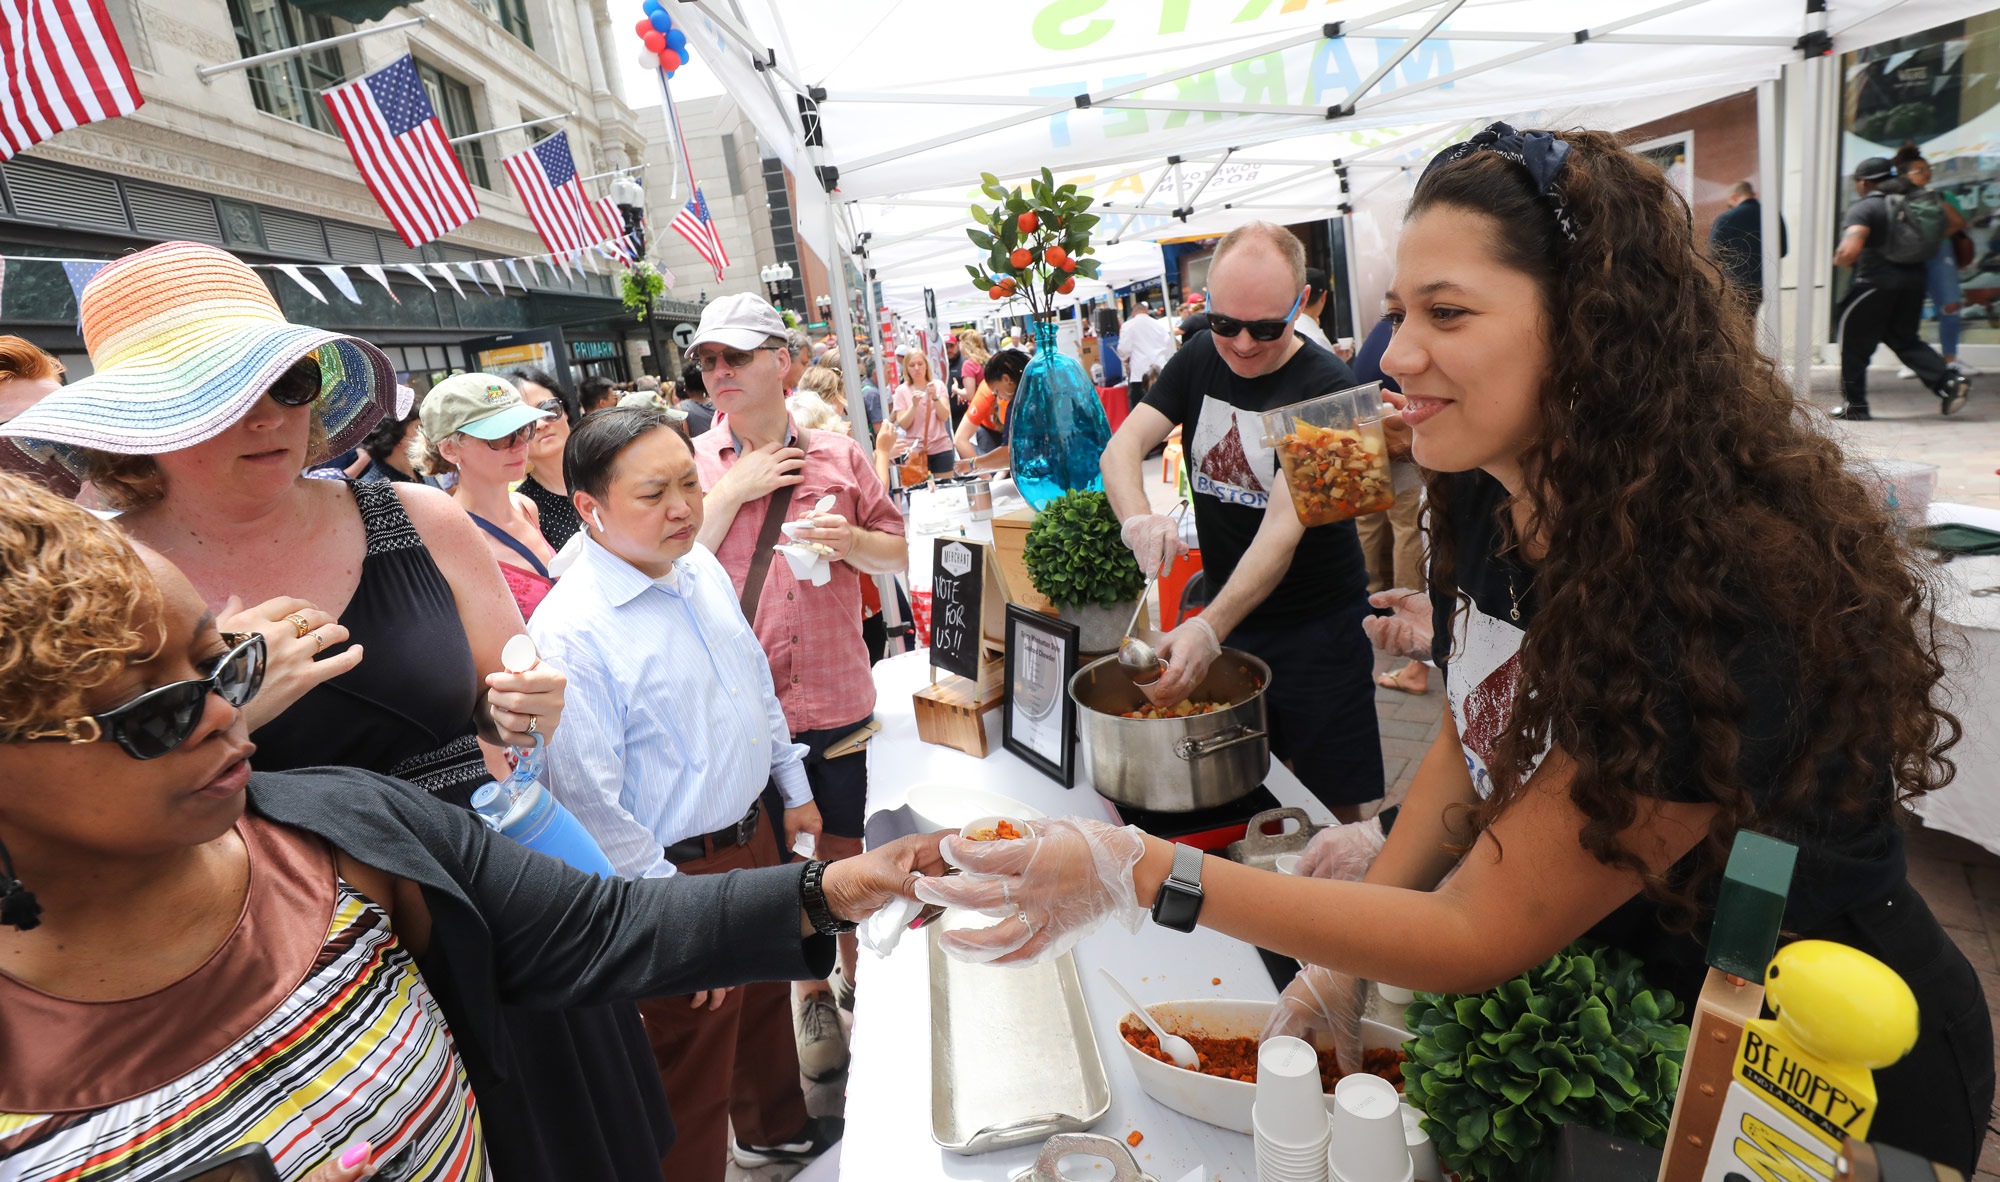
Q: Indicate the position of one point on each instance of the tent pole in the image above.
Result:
(1769, 174)
(1353, 273)
(1213, 171)
(1810, 201)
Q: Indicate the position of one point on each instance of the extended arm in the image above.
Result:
(586, 768)
(1851, 242)
(1190, 648)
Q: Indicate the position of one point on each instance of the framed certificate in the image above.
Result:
(1038, 722)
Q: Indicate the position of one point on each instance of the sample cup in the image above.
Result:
(1335, 458)
(1368, 1140)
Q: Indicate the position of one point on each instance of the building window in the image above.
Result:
(452, 100)
(289, 88)
(512, 16)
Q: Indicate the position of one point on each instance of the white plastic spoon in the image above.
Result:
(1180, 1050)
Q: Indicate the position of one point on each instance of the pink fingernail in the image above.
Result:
(355, 1155)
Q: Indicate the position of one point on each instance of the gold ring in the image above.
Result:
(299, 625)
(532, 723)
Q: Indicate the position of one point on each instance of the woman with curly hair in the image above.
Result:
(1672, 616)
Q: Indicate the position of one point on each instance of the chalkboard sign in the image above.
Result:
(958, 585)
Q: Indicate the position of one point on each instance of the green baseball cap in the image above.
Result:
(478, 404)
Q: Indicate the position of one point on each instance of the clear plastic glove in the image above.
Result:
(1155, 540)
(1408, 632)
(1342, 851)
(1052, 889)
(1321, 1000)
(1188, 652)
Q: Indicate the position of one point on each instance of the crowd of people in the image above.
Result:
(240, 544)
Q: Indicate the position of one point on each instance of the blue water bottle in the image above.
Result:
(521, 808)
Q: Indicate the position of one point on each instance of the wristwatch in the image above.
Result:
(1178, 905)
(813, 898)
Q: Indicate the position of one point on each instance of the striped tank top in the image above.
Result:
(309, 1029)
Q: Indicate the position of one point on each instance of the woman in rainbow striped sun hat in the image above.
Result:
(205, 410)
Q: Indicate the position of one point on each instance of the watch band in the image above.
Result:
(812, 896)
(1178, 905)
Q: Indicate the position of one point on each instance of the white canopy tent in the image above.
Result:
(1190, 116)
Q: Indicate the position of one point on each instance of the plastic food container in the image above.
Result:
(1333, 454)
(1906, 486)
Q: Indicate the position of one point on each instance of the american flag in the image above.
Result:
(398, 143)
(694, 224)
(613, 223)
(545, 177)
(61, 66)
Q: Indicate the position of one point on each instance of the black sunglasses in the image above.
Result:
(297, 385)
(734, 358)
(160, 720)
(1259, 330)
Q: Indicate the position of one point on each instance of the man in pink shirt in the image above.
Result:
(756, 463)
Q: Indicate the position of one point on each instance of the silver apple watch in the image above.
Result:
(1178, 905)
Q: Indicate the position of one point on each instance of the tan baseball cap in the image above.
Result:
(740, 321)
(479, 404)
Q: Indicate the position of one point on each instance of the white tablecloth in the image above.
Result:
(888, 1087)
(1970, 805)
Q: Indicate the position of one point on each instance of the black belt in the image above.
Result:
(694, 849)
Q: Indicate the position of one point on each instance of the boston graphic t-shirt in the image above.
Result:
(1232, 472)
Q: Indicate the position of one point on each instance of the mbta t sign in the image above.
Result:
(684, 336)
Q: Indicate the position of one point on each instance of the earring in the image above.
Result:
(18, 908)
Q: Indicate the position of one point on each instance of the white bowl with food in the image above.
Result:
(954, 806)
(996, 828)
(1224, 1103)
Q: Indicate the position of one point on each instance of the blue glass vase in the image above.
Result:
(1056, 425)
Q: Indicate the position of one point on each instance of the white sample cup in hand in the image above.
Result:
(1369, 1144)
(1289, 1116)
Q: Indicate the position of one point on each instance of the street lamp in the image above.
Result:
(825, 306)
(630, 199)
(777, 279)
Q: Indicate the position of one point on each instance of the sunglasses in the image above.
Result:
(1259, 330)
(734, 358)
(296, 386)
(160, 720)
(520, 436)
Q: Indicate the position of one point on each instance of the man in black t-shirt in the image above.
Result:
(1886, 302)
(1292, 596)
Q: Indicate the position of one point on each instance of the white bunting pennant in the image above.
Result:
(299, 278)
(493, 273)
(466, 270)
(418, 275)
(534, 272)
(515, 273)
(374, 271)
(445, 274)
(341, 283)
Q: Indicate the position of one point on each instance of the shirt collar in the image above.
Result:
(622, 582)
(736, 445)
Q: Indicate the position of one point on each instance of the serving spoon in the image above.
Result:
(1180, 1050)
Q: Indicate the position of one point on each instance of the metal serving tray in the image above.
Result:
(1013, 1055)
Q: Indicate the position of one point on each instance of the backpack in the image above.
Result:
(1916, 226)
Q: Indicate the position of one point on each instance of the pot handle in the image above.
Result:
(1192, 749)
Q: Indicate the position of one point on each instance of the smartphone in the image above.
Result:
(245, 1163)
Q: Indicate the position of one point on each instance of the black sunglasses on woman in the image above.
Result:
(159, 720)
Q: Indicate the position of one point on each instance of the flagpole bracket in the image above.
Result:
(207, 74)
(829, 177)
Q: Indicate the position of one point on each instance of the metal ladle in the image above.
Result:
(1136, 656)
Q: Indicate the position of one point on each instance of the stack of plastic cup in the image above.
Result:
(1289, 1116)
(1367, 1143)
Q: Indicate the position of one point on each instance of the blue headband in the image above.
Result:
(1537, 151)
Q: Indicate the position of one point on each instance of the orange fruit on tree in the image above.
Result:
(1027, 222)
(1021, 257)
(1068, 285)
(996, 293)
(1056, 255)
(1068, 264)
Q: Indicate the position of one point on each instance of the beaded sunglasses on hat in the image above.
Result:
(1259, 330)
(159, 720)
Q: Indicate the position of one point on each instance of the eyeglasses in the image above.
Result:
(734, 358)
(159, 720)
(520, 436)
(1260, 330)
(296, 386)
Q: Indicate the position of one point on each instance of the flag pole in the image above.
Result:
(673, 133)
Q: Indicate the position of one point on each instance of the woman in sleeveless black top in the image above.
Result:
(583, 1099)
